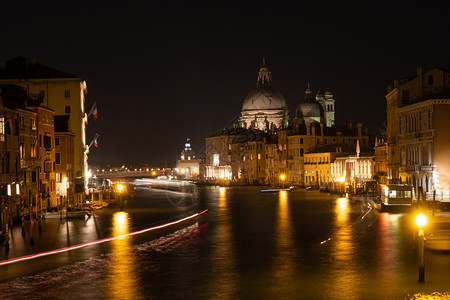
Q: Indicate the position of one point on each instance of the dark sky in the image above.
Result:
(162, 71)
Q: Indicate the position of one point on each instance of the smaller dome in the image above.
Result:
(310, 110)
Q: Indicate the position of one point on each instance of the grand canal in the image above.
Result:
(248, 245)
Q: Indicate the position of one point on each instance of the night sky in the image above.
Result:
(162, 71)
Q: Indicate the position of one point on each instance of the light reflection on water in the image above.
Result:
(122, 279)
(343, 269)
(224, 278)
(286, 252)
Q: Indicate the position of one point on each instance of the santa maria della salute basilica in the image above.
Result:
(265, 108)
(265, 144)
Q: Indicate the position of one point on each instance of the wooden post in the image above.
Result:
(6, 229)
(31, 224)
(22, 204)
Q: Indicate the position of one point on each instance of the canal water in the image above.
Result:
(249, 245)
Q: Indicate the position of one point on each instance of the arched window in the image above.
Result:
(301, 140)
(301, 151)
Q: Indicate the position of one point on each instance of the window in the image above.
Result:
(21, 121)
(301, 140)
(2, 127)
(216, 159)
(67, 93)
(58, 158)
(430, 80)
(67, 109)
(57, 142)
(47, 142)
(33, 123)
(33, 150)
(42, 94)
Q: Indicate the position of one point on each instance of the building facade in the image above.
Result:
(188, 166)
(61, 92)
(418, 120)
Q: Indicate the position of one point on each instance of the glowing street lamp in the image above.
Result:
(421, 221)
(282, 177)
(120, 189)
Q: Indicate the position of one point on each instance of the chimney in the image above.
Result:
(367, 131)
(350, 125)
(321, 129)
(313, 127)
(395, 83)
(419, 76)
(419, 71)
(308, 128)
(359, 126)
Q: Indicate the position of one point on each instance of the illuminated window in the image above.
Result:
(2, 125)
(216, 159)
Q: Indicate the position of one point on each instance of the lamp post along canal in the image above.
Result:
(421, 221)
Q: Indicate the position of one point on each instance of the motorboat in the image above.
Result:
(274, 190)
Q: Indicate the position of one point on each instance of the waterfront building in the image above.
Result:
(418, 110)
(18, 154)
(46, 155)
(222, 161)
(381, 161)
(313, 137)
(61, 92)
(188, 166)
(64, 173)
(353, 171)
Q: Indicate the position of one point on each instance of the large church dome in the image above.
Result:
(310, 110)
(264, 97)
(264, 107)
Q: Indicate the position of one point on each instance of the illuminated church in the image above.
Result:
(265, 143)
(265, 108)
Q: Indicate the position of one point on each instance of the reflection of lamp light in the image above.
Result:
(421, 221)
(120, 187)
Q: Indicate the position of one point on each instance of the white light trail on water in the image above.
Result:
(74, 247)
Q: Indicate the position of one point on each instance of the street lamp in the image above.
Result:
(421, 221)
(120, 189)
(282, 177)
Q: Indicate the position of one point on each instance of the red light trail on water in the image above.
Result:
(74, 247)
